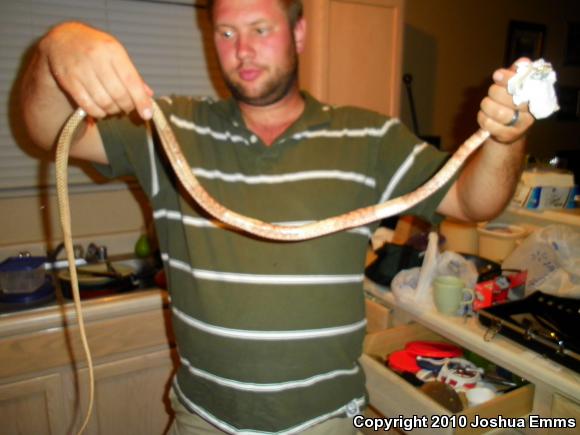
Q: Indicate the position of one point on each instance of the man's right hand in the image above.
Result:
(95, 71)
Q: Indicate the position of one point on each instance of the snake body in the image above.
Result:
(249, 225)
(267, 230)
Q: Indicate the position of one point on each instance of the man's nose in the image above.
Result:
(244, 47)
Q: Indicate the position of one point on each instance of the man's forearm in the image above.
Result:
(44, 106)
(488, 182)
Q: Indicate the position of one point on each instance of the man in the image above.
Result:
(268, 333)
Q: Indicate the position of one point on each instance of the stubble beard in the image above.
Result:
(273, 90)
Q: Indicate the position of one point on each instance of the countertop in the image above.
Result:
(57, 315)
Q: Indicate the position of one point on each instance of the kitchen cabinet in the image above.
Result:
(378, 316)
(33, 406)
(43, 377)
(554, 390)
(563, 407)
(353, 53)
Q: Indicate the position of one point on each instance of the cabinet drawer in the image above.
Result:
(378, 316)
(562, 407)
(392, 396)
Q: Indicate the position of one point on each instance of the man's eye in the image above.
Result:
(227, 34)
(262, 30)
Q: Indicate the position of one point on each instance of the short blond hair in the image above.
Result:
(294, 10)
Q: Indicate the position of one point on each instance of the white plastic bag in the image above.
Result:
(404, 285)
(551, 256)
(414, 286)
(452, 263)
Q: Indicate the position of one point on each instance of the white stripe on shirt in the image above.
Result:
(248, 278)
(187, 220)
(285, 178)
(402, 170)
(151, 150)
(245, 334)
(200, 222)
(346, 132)
(207, 131)
(228, 428)
(267, 388)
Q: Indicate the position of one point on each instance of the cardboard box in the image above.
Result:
(546, 188)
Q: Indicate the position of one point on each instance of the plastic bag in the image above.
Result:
(404, 284)
(551, 255)
(413, 285)
(452, 263)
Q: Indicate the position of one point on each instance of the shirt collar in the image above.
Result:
(315, 115)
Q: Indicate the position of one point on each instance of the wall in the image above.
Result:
(115, 218)
(453, 46)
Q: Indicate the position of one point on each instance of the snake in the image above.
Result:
(268, 230)
(231, 218)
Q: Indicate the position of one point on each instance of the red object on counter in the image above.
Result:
(496, 290)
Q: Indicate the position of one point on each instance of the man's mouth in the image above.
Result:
(249, 74)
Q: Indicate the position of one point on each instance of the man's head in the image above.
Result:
(257, 43)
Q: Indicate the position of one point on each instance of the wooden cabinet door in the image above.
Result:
(130, 395)
(563, 407)
(33, 407)
(353, 53)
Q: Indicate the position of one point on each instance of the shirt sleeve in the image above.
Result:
(405, 163)
(130, 151)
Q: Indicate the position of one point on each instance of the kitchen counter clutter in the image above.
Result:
(465, 237)
(550, 384)
(28, 282)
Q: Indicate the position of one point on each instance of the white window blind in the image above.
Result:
(168, 40)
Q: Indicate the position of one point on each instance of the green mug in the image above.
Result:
(449, 294)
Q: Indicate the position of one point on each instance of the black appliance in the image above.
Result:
(542, 322)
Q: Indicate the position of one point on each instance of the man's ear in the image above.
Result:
(300, 34)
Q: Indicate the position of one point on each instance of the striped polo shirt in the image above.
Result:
(269, 333)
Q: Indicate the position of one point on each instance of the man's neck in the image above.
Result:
(269, 122)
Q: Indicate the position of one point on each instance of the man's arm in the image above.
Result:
(487, 183)
(72, 66)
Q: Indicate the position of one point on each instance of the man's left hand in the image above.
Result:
(498, 114)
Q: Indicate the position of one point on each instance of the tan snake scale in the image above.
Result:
(249, 225)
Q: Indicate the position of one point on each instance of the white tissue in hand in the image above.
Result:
(534, 83)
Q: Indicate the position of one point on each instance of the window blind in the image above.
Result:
(168, 40)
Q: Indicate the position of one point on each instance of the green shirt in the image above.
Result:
(269, 333)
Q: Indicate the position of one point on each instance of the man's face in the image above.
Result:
(256, 48)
